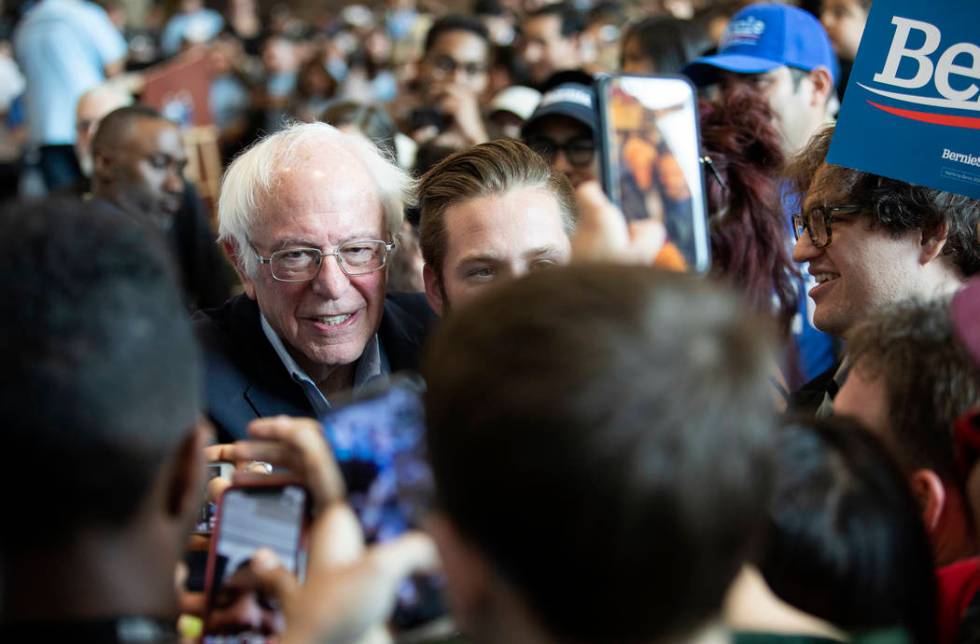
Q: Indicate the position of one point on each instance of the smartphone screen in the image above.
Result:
(205, 519)
(651, 164)
(379, 443)
(249, 518)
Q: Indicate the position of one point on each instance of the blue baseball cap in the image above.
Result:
(761, 38)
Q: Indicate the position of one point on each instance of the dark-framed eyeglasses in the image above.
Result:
(818, 222)
(358, 257)
(445, 66)
(579, 151)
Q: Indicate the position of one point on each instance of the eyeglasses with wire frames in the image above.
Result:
(818, 222)
(358, 257)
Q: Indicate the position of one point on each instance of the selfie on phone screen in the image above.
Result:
(651, 158)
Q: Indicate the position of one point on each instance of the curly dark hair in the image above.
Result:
(749, 246)
(896, 206)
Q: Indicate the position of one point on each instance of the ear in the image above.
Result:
(185, 489)
(231, 249)
(433, 290)
(933, 242)
(823, 86)
(929, 491)
(468, 575)
(102, 163)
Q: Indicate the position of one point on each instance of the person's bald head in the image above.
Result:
(139, 163)
(92, 107)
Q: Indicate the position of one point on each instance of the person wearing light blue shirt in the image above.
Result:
(64, 48)
(193, 23)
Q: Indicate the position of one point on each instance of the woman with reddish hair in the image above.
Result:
(749, 247)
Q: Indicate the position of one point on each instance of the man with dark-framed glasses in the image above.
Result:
(872, 242)
(309, 216)
(453, 74)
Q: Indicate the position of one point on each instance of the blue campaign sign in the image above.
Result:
(912, 107)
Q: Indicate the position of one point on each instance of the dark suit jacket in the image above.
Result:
(245, 379)
(804, 401)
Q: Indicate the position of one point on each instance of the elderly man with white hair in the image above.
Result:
(309, 217)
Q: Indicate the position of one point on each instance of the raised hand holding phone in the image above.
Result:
(297, 445)
(603, 234)
(348, 601)
(651, 160)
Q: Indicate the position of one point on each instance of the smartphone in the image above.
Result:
(650, 146)
(205, 518)
(378, 440)
(267, 512)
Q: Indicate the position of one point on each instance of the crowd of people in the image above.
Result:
(785, 448)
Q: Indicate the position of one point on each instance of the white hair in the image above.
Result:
(252, 176)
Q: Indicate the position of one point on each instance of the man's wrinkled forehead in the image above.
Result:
(319, 183)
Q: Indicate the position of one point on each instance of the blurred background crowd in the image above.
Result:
(257, 65)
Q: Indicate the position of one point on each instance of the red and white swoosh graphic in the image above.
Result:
(929, 117)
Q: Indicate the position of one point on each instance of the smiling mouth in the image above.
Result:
(823, 278)
(332, 320)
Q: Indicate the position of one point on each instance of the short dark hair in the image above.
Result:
(896, 206)
(670, 43)
(846, 541)
(456, 22)
(608, 422)
(572, 20)
(489, 8)
(929, 379)
(100, 380)
(116, 124)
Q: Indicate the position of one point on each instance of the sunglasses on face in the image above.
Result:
(579, 152)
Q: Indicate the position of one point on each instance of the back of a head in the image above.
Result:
(101, 376)
(668, 43)
(491, 168)
(846, 542)
(894, 205)
(927, 376)
(748, 230)
(601, 434)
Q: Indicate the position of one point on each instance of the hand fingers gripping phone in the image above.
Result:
(651, 162)
(378, 440)
(267, 512)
